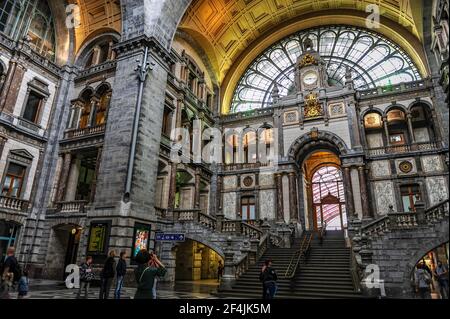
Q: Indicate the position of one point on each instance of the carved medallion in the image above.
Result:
(405, 167)
(248, 181)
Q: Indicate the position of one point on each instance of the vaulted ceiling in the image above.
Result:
(97, 16)
(226, 28)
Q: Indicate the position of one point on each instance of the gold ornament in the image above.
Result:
(308, 60)
(312, 106)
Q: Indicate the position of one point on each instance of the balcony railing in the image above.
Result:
(240, 166)
(14, 204)
(407, 148)
(195, 215)
(84, 132)
(73, 207)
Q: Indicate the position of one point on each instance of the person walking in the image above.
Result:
(86, 276)
(423, 281)
(107, 275)
(9, 274)
(268, 277)
(23, 285)
(149, 267)
(121, 271)
(220, 269)
(441, 274)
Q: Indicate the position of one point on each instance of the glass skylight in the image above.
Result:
(373, 59)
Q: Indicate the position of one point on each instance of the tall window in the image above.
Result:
(248, 211)
(33, 107)
(12, 185)
(167, 122)
(32, 18)
(102, 107)
(410, 195)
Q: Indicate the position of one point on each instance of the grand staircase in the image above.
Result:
(325, 272)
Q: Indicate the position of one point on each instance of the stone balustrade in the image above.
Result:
(407, 220)
(72, 207)
(407, 148)
(14, 204)
(84, 132)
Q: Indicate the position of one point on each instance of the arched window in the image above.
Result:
(101, 52)
(373, 127)
(373, 59)
(422, 124)
(265, 144)
(249, 143)
(32, 18)
(104, 97)
(397, 128)
(86, 109)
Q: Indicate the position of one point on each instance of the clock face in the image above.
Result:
(310, 78)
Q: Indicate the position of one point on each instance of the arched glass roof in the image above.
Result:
(373, 59)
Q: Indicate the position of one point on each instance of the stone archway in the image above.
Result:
(301, 149)
(196, 260)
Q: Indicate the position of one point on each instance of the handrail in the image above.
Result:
(297, 257)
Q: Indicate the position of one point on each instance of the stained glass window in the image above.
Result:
(373, 60)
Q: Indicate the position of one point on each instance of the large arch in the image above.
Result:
(315, 140)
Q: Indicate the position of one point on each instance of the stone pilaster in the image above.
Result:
(293, 195)
(279, 185)
(348, 188)
(97, 166)
(11, 88)
(364, 193)
(197, 188)
(63, 180)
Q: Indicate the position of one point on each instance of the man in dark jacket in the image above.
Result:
(121, 271)
(9, 274)
(269, 278)
(107, 275)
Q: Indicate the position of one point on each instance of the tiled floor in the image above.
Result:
(46, 289)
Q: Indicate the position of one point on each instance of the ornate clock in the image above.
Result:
(310, 78)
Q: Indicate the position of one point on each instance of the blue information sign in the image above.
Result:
(170, 237)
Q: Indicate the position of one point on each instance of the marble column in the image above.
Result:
(348, 187)
(197, 188)
(11, 87)
(279, 185)
(67, 163)
(293, 205)
(2, 145)
(172, 186)
(364, 193)
(97, 166)
(386, 131)
(412, 139)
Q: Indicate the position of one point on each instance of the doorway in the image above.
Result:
(325, 197)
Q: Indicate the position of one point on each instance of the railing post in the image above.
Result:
(420, 211)
(229, 275)
(253, 253)
(219, 221)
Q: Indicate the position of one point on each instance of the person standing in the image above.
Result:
(423, 281)
(269, 278)
(149, 267)
(219, 271)
(23, 285)
(121, 271)
(10, 274)
(107, 275)
(441, 273)
(86, 276)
